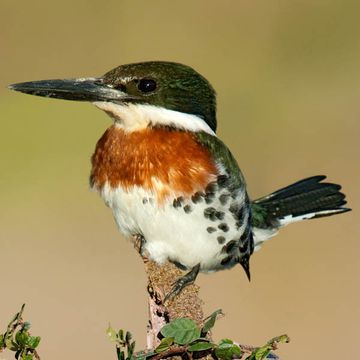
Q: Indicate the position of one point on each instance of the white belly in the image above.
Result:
(171, 233)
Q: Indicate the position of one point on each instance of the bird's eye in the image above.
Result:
(146, 85)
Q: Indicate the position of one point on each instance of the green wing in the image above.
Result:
(259, 216)
(222, 155)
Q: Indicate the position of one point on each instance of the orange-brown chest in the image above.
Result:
(159, 160)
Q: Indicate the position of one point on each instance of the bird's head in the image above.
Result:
(154, 93)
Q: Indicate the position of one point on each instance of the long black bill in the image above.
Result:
(87, 89)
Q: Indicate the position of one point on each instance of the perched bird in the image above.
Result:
(170, 181)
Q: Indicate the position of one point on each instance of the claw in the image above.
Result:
(139, 244)
(182, 282)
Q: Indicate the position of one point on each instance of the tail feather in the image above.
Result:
(298, 187)
(306, 199)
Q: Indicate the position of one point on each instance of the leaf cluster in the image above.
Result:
(18, 339)
(183, 337)
(186, 333)
(123, 341)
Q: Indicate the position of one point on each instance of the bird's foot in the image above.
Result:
(182, 282)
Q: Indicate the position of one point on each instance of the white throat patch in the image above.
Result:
(134, 117)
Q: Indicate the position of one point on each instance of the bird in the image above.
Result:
(170, 182)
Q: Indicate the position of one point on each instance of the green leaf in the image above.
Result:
(225, 341)
(183, 330)
(131, 349)
(11, 345)
(142, 355)
(262, 353)
(27, 357)
(22, 338)
(201, 346)
(128, 337)
(2, 342)
(209, 324)
(279, 339)
(34, 341)
(165, 343)
(139, 356)
(111, 333)
(120, 354)
(259, 353)
(227, 350)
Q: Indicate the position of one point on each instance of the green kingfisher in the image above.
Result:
(170, 181)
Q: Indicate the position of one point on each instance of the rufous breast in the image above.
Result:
(161, 160)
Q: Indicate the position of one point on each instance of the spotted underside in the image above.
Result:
(167, 186)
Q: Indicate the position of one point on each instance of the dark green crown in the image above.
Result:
(171, 85)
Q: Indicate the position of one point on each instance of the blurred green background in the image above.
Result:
(287, 75)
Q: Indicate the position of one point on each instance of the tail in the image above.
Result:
(306, 199)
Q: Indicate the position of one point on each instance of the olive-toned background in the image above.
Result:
(287, 75)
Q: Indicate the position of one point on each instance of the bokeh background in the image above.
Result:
(287, 75)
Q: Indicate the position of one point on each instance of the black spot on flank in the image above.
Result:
(209, 198)
(226, 260)
(197, 197)
(211, 188)
(145, 201)
(224, 227)
(187, 209)
(177, 202)
(238, 224)
(222, 181)
(234, 207)
(210, 213)
(221, 239)
(239, 213)
(210, 229)
(229, 246)
(224, 198)
(220, 215)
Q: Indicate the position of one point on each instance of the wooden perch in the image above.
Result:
(186, 304)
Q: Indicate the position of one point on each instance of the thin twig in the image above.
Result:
(171, 352)
(248, 349)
